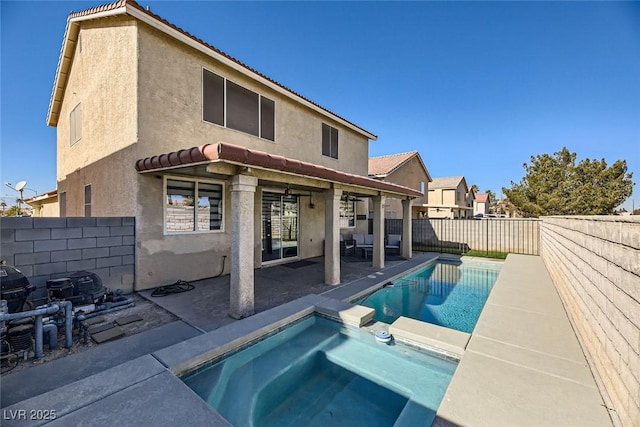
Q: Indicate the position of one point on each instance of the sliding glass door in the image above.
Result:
(279, 226)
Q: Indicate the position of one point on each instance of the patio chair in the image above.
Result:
(393, 243)
(347, 247)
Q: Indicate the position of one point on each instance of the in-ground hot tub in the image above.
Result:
(319, 372)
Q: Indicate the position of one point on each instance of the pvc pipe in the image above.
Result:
(53, 308)
(38, 353)
(68, 324)
(82, 317)
(52, 330)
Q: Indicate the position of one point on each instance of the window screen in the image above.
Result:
(212, 98)
(242, 109)
(329, 141)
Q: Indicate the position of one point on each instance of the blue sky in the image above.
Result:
(475, 87)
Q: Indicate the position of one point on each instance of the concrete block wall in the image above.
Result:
(595, 265)
(50, 248)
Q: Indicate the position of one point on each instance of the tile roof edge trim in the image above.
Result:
(232, 154)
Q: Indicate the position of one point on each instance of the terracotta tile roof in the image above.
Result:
(482, 198)
(239, 155)
(384, 165)
(445, 182)
(122, 3)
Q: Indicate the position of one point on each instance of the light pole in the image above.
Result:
(20, 189)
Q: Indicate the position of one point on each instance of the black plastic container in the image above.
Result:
(14, 288)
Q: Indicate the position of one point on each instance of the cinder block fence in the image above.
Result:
(50, 248)
(595, 264)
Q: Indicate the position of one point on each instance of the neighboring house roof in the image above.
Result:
(482, 198)
(49, 196)
(383, 166)
(446, 182)
(235, 154)
(130, 7)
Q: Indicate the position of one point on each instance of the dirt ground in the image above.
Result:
(152, 316)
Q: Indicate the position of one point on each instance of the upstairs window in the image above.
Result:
(75, 125)
(228, 104)
(329, 141)
(193, 205)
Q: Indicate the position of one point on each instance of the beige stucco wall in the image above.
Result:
(595, 265)
(170, 106)
(103, 80)
(410, 174)
(140, 92)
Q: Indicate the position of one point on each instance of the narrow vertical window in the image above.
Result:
(212, 98)
(87, 200)
(75, 124)
(267, 119)
(329, 141)
(422, 187)
(62, 203)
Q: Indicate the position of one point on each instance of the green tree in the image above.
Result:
(13, 211)
(555, 185)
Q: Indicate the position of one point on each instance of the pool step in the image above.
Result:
(245, 381)
(401, 375)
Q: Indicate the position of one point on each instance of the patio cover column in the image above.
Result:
(407, 227)
(378, 232)
(332, 237)
(243, 189)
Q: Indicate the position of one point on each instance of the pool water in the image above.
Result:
(449, 294)
(318, 373)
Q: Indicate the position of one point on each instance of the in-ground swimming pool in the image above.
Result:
(319, 373)
(445, 293)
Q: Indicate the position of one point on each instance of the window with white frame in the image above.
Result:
(329, 141)
(193, 205)
(75, 124)
(228, 104)
(347, 213)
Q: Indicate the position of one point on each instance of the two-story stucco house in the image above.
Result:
(406, 169)
(449, 197)
(223, 167)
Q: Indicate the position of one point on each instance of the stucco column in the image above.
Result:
(407, 245)
(243, 189)
(378, 232)
(332, 237)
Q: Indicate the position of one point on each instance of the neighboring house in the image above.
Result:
(216, 161)
(481, 204)
(449, 197)
(45, 204)
(406, 169)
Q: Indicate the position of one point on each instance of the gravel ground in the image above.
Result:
(152, 316)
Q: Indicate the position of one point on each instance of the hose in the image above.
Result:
(177, 288)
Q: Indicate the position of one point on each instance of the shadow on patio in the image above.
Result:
(206, 306)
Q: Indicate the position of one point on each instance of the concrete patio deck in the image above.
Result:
(521, 366)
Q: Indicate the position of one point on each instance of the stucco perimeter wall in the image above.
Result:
(595, 265)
